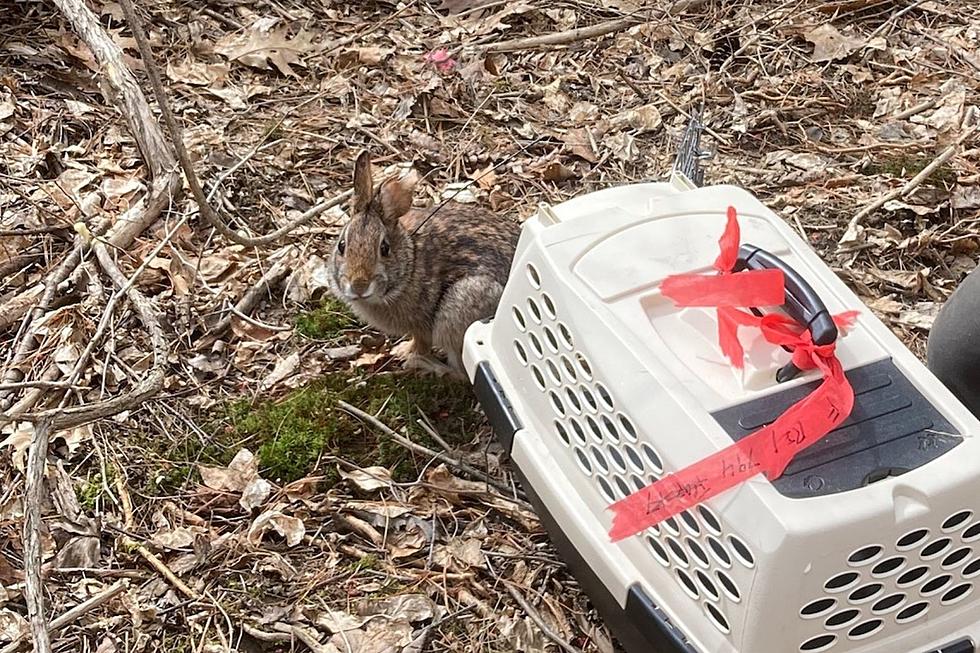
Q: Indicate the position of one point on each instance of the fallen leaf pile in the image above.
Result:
(819, 108)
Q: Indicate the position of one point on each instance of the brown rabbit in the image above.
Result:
(431, 284)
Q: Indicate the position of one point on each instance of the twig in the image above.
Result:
(850, 234)
(425, 451)
(33, 592)
(534, 614)
(82, 608)
(252, 296)
(176, 136)
(565, 37)
(918, 108)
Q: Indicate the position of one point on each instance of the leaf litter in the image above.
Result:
(817, 117)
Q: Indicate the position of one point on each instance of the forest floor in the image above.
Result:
(243, 507)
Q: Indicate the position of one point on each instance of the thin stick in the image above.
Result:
(425, 451)
(176, 137)
(82, 608)
(565, 37)
(33, 592)
(850, 234)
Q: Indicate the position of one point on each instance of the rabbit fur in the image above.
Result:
(430, 285)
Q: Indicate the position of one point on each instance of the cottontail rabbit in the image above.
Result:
(431, 284)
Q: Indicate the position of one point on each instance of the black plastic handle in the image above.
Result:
(802, 302)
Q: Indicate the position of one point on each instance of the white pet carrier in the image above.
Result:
(597, 385)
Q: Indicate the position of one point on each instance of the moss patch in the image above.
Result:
(328, 321)
(908, 166)
(292, 433)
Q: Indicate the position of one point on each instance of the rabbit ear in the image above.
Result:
(396, 195)
(363, 181)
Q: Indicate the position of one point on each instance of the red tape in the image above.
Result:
(770, 449)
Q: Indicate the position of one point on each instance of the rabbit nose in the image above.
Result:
(362, 287)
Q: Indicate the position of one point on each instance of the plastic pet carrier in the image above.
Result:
(598, 386)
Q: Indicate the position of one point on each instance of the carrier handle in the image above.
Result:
(802, 302)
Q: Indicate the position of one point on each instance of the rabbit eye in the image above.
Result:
(385, 247)
(341, 246)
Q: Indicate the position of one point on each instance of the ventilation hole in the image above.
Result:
(818, 644)
(698, 552)
(520, 352)
(707, 585)
(562, 433)
(957, 594)
(972, 533)
(637, 482)
(935, 549)
(583, 461)
(841, 582)
(539, 378)
(972, 569)
(634, 457)
(535, 345)
(653, 458)
(865, 555)
(935, 585)
(599, 459)
(678, 551)
(691, 523)
(912, 612)
(532, 308)
(741, 551)
(728, 586)
(719, 552)
(549, 306)
(588, 398)
(549, 336)
(671, 525)
(710, 520)
(553, 372)
(617, 459)
(573, 400)
(555, 399)
(717, 618)
(866, 629)
(628, 427)
(658, 552)
(956, 557)
(577, 431)
(818, 608)
(604, 397)
(842, 619)
(888, 603)
(519, 319)
(912, 576)
(533, 277)
(566, 339)
(687, 583)
(583, 366)
(888, 566)
(954, 522)
(865, 593)
(624, 489)
(912, 539)
(566, 363)
(610, 428)
(594, 428)
(607, 491)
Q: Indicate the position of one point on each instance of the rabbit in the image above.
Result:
(429, 285)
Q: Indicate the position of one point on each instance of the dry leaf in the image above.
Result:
(12, 626)
(368, 479)
(177, 538)
(829, 43)
(241, 471)
(19, 440)
(255, 494)
(290, 528)
(197, 73)
(266, 43)
(579, 142)
(283, 369)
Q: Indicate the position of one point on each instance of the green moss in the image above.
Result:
(294, 432)
(908, 166)
(326, 322)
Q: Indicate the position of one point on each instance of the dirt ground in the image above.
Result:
(246, 505)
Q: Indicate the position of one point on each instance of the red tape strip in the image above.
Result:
(770, 449)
